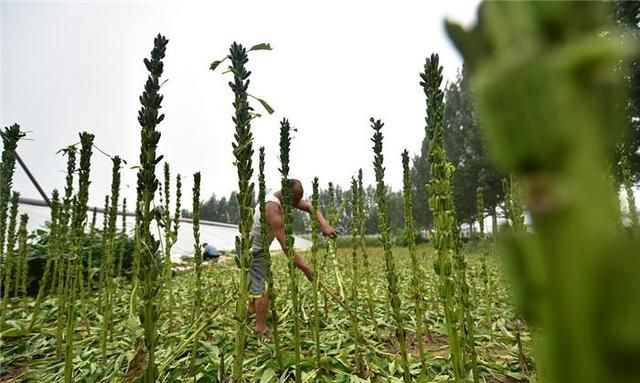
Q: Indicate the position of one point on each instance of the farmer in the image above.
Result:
(259, 303)
(210, 252)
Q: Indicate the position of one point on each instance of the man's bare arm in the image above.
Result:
(325, 228)
(276, 224)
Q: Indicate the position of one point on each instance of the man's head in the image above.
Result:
(205, 244)
(297, 191)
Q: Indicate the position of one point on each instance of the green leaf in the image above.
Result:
(261, 47)
(215, 64)
(266, 106)
(267, 375)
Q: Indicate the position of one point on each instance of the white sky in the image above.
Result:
(69, 67)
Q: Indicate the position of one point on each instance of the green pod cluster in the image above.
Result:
(444, 237)
(285, 146)
(385, 239)
(149, 263)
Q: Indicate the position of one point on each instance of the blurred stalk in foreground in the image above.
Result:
(550, 101)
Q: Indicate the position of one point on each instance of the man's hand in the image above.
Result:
(328, 231)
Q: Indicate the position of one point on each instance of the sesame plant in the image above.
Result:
(285, 144)
(315, 240)
(242, 151)
(385, 239)
(149, 272)
(78, 222)
(108, 258)
(262, 192)
(416, 271)
(355, 277)
(197, 256)
(441, 205)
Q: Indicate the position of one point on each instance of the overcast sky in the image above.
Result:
(72, 66)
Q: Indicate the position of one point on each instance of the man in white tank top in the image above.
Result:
(259, 303)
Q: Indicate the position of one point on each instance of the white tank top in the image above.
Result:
(256, 234)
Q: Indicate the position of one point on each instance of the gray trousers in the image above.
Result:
(257, 274)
